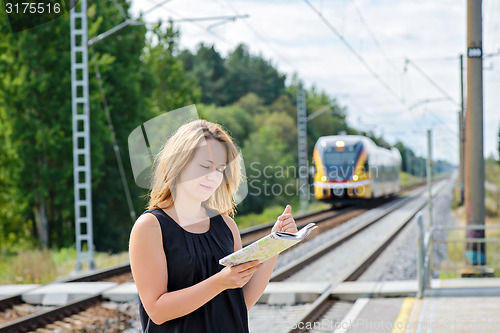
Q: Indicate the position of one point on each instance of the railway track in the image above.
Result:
(326, 310)
(16, 316)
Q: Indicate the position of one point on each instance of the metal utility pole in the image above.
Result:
(408, 164)
(474, 163)
(461, 132)
(429, 175)
(302, 148)
(81, 134)
(461, 156)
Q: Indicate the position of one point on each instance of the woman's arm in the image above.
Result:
(149, 269)
(258, 282)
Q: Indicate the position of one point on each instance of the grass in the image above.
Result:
(44, 266)
(408, 179)
(271, 214)
(456, 250)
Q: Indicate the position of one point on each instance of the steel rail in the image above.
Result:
(325, 301)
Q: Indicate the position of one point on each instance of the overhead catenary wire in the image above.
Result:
(372, 35)
(428, 78)
(356, 54)
(170, 11)
(120, 9)
(122, 25)
(372, 72)
(262, 39)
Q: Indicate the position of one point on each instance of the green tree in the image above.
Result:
(35, 100)
(408, 157)
(35, 104)
(269, 168)
(247, 73)
(127, 85)
(207, 67)
(172, 87)
(252, 104)
(234, 119)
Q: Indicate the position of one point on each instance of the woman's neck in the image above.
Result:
(185, 213)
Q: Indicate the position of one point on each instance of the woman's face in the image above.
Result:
(205, 172)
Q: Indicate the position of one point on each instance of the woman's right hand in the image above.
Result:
(237, 276)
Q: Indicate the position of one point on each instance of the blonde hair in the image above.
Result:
(179, 150)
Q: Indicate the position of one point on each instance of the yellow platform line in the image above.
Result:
(403, 316)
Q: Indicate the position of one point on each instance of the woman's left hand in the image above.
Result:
(285, 222)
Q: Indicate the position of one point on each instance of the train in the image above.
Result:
(353, 169)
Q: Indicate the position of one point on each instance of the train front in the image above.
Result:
(341, 172)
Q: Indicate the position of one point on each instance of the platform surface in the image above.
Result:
(125, 292)
(64, 293)
(8, 290)
(427, 315)
(454, 314)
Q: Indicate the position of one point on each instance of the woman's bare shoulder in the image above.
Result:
(146, 227)
(146, 223)
(229, 221)
(231, 224)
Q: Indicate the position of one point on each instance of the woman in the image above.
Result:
(176, 244)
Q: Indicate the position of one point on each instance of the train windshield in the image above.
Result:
(340, 161)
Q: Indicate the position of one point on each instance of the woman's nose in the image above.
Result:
(212, 174)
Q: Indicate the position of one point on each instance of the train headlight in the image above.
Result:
(340, 144)
(355, 177)
(323, 178)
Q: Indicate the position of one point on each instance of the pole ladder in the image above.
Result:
(81, 134)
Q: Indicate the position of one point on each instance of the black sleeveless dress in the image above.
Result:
(192, 258)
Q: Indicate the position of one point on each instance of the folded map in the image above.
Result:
(267, 247)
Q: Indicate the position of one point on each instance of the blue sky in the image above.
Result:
(430, 33)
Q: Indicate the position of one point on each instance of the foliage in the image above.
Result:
(267, 165)
(143, 75)
(36, 166)
(206, 67)
(34, 99)
(172, 88)
(233, 119)
(225, 81)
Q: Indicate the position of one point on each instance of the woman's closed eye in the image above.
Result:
(208, 166)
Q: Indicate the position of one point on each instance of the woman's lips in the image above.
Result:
(207, 188)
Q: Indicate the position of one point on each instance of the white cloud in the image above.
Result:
(431, 33)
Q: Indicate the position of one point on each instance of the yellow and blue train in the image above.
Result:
(350, 168)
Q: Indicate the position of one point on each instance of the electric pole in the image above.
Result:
(429, 175)
(461, 134)
(302, 148)
(474, 163)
